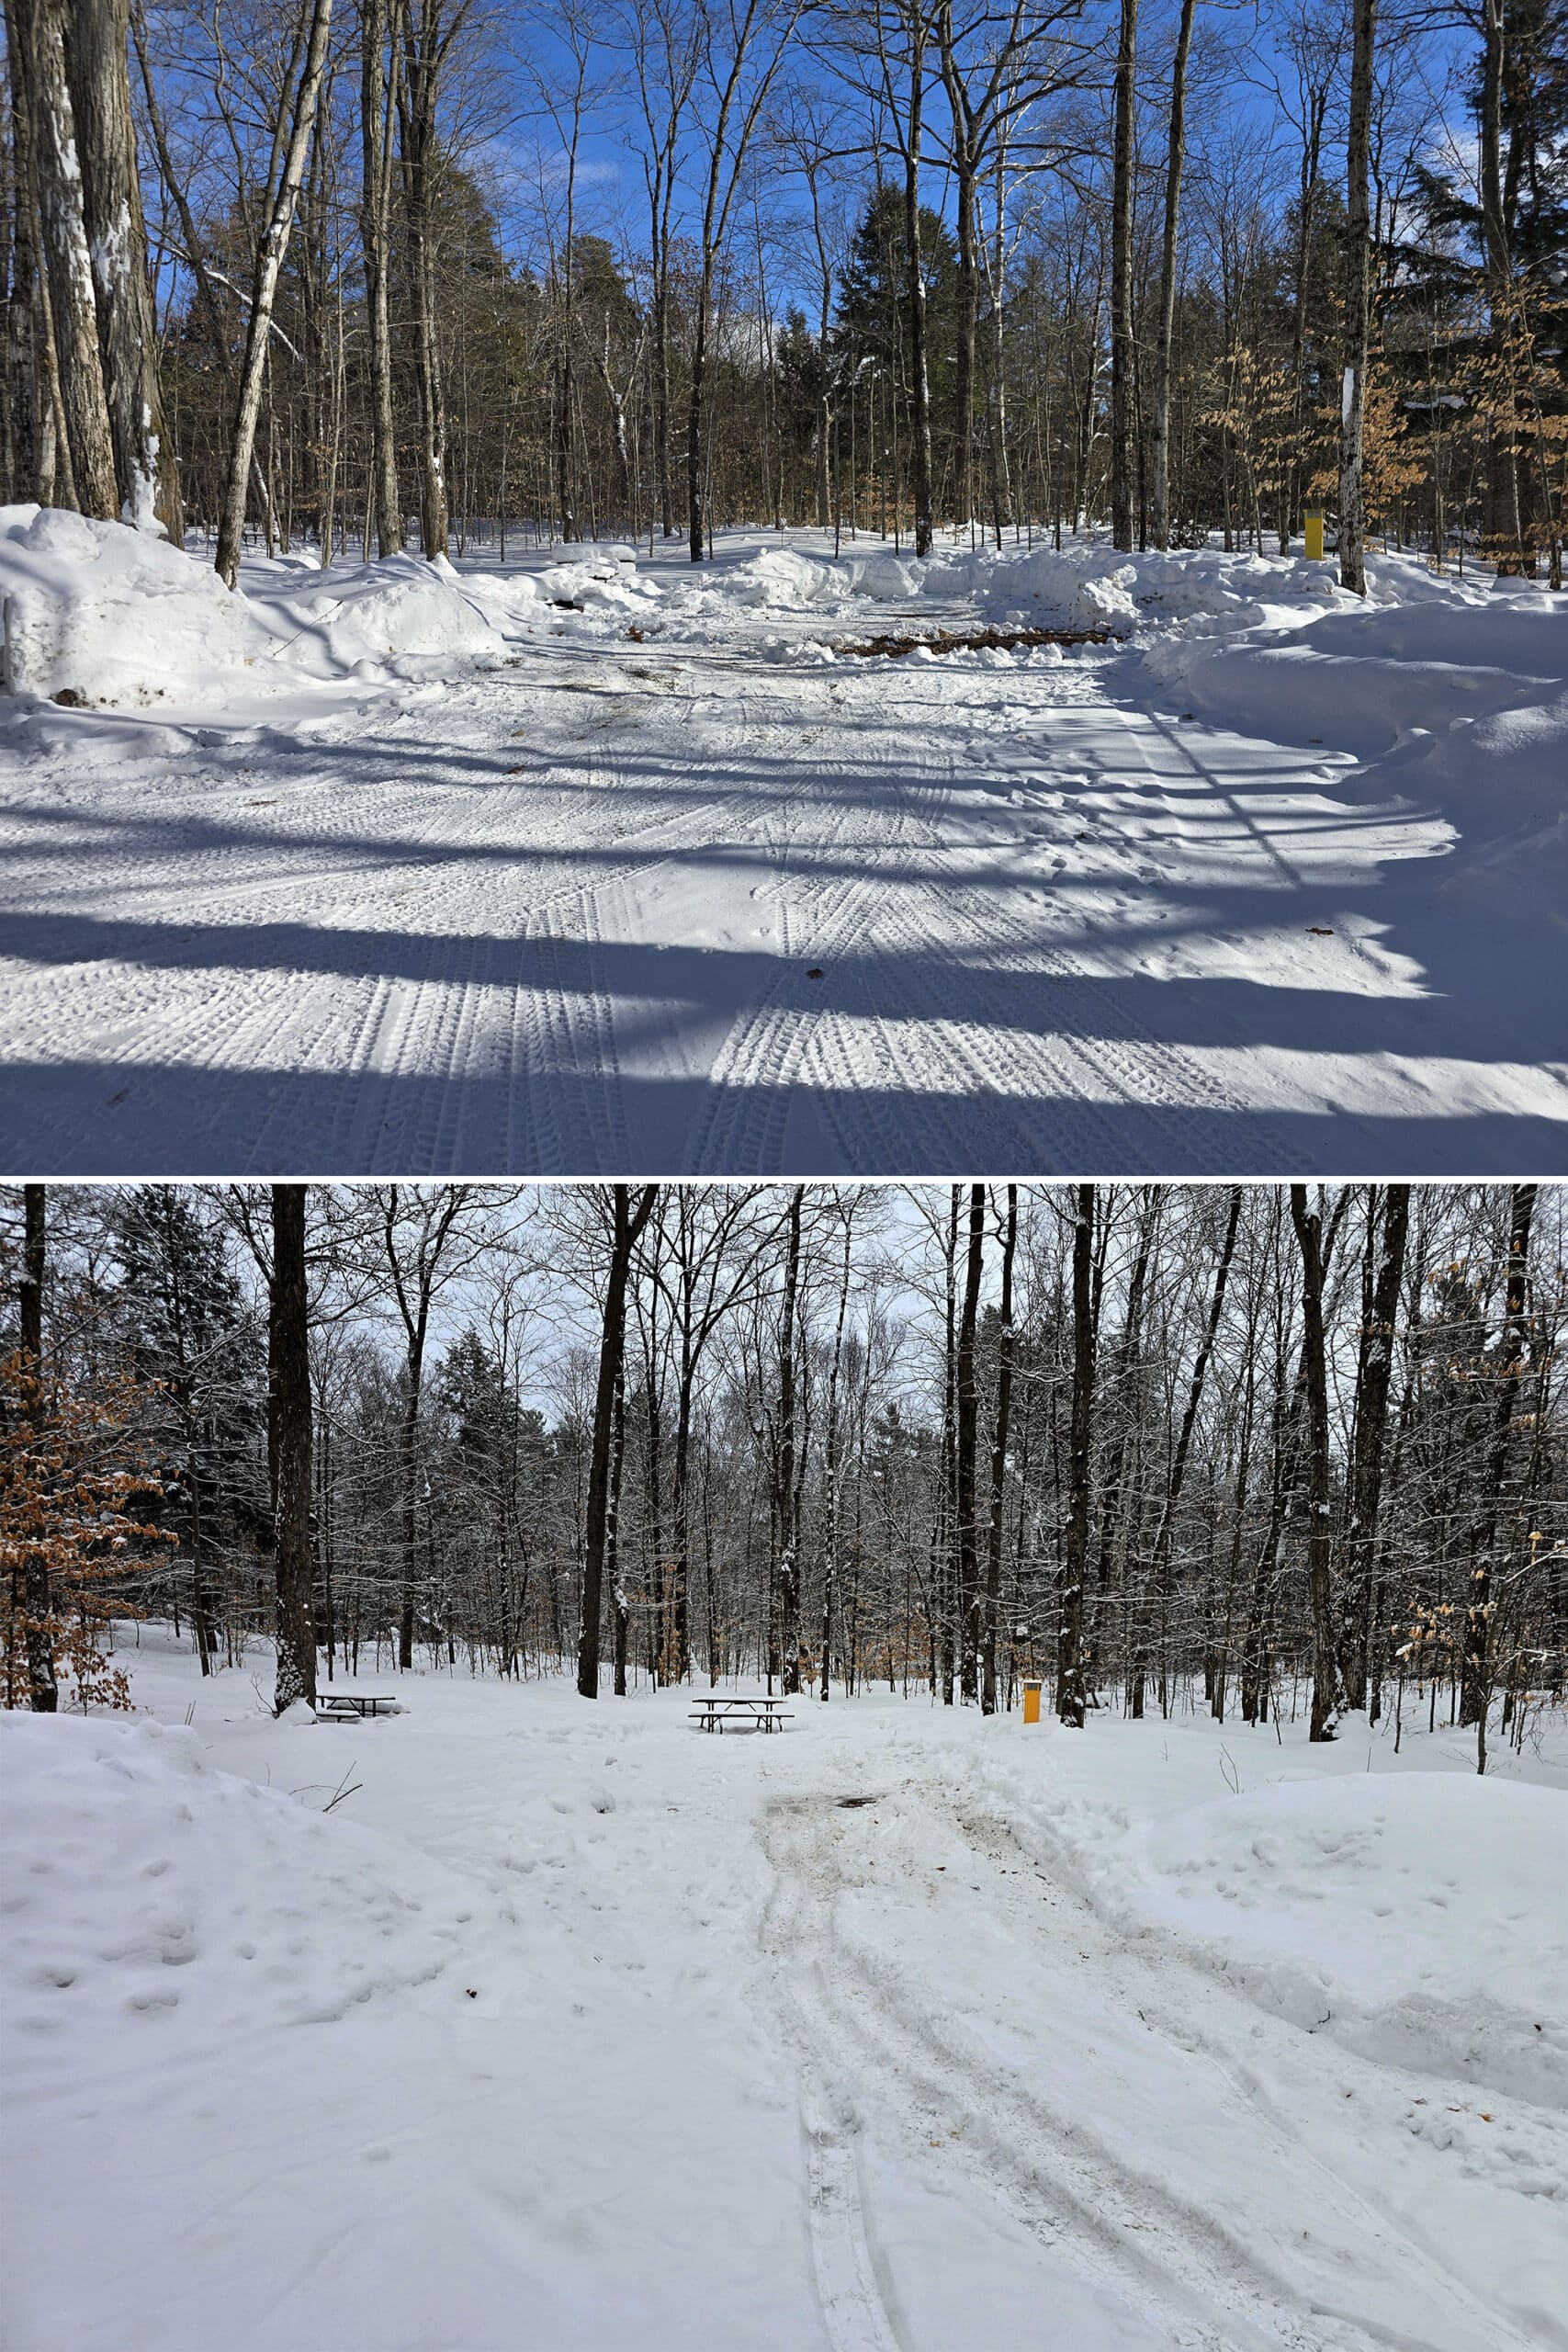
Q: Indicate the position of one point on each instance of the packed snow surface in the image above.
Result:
(567, 2028)
(599, 861)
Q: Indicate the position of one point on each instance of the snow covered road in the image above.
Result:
(571, 2028)
(734, 906)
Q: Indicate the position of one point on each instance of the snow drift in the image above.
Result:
(97, 613)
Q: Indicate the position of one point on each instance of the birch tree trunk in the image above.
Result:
(284, 182)
(38, 28)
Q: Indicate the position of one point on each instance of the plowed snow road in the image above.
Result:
(657, 909)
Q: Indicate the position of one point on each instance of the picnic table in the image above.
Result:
(718, 1711)
(354, 1706)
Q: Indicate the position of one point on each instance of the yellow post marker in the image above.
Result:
(1031, 1701)
(1314, 533)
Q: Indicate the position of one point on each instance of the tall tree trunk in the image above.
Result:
(920, 374)
(1314, 1362)
(1005, 1342)
(1159, 430)
(965, 1484)
(1357, 254)
(1072, 1699)
(1505, 540)
(28, 368)
(1121, 353)
(98, 59)
(1513, 1364)
(283, 194)
(832, 1468)
(289, 1383)
(626, 1231)
(380, 67)
(42, 1689)
(1374, 1370)
(38, 31)
(784, 1492)
(1190, 1415)
(425, 47)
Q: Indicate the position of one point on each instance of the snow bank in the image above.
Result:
(1416, 1918)
(139, 1880)
(97, 613)
(400, 617)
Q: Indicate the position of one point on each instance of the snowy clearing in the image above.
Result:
(571, 2028)
(610, 865)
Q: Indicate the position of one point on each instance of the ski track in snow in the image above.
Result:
(896, 2054)
(1015, 888)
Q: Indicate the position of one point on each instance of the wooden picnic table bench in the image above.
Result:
(716, 1711)
(354, 1706)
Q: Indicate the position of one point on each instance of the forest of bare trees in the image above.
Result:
(1273, 1451)
(430, 273)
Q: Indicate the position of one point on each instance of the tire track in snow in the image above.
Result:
(1121, 2226)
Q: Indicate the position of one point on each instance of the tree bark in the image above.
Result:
(283, 195)
(1324, 1676)
(965, 1484)
(1358, 251)
(1006, 1343)
(626, 1233)
(1513, 1364)
(289, 1383)
(1374, 1370)
(1159, 429)
(380, 67)
(38, 28)
(42, 1690)
(784, 1466)
(1072, 1699)
(1121, 353)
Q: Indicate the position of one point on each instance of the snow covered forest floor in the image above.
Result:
(571, 2028)
(609, 864)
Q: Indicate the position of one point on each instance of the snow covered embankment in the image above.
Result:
(98, 615)
(1418, 1919)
